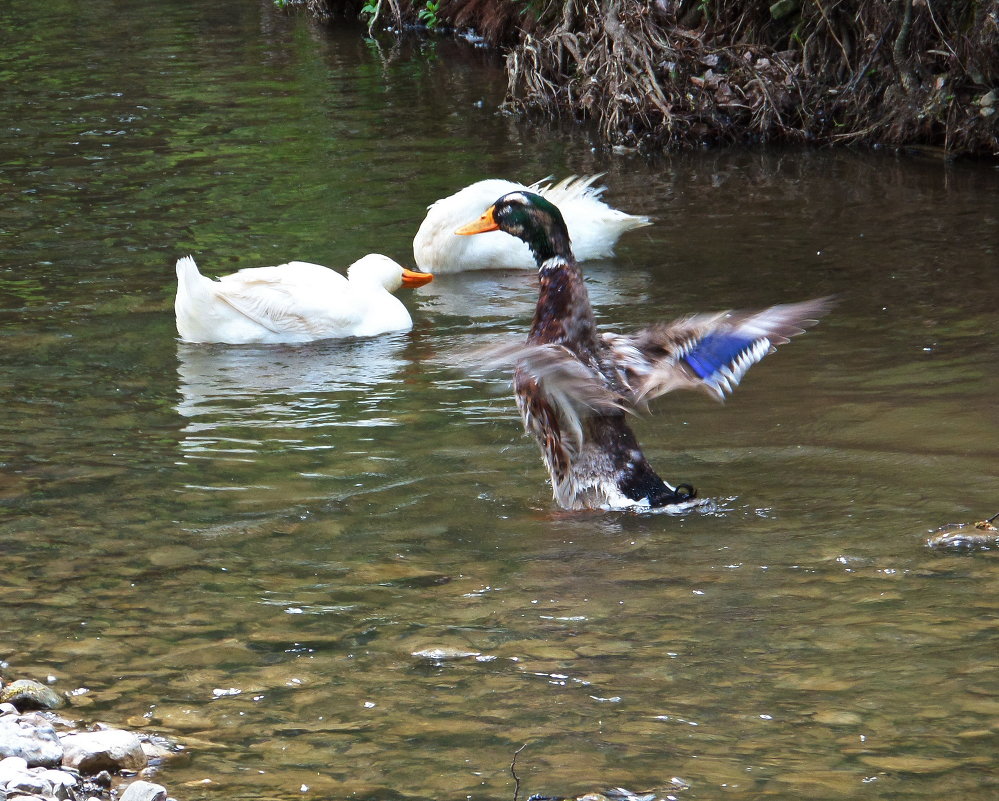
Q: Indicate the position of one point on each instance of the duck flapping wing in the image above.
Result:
(710, 352)
(560, 373)
(554, 388)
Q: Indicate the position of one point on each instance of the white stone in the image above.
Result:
(143, 791)
(27, 783)
(30, 737)
(111, 749)
(62, 783)
(12, 766)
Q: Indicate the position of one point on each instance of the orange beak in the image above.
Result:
(412, 279)
(485, 223)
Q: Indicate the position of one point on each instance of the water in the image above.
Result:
(242, 548)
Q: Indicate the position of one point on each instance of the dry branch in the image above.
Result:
(673, 73)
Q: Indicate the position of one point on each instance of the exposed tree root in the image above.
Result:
(674, 73)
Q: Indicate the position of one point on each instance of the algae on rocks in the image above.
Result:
(30, 694)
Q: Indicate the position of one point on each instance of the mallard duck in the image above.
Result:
(594, 227)
(574, 385)
(293, 302)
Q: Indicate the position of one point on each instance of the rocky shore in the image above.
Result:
(46, 757)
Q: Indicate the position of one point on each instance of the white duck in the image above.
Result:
(293, 302)
(594, 227)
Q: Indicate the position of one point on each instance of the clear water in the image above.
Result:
(243, 548)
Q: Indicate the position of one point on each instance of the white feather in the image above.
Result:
(289, 303)
(594, 227)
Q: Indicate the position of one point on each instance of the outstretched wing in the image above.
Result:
(711, 352)
(557, 370)
(557, 379)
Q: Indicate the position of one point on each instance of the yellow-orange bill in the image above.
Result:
(485, 223)
(412, 279)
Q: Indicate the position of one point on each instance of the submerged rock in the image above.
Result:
(982, 534)
(615, 794)
(444, 653)
(910, 763)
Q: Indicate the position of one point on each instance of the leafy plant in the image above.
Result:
(371, 10)
(428, 14)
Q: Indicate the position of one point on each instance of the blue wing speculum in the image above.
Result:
(721, 359)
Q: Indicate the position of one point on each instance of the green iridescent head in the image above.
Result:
(529, 217)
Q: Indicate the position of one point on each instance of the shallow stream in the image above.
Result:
(242, 548)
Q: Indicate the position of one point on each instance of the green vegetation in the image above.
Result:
(369, 13)
(428, 14)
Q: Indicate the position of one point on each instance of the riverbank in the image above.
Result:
(44, 755)
(678, 73)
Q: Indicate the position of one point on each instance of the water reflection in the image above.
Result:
(511, 295)
(330, 383)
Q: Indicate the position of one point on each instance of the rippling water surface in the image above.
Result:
(242, 548)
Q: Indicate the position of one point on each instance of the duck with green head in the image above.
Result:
(575, 385)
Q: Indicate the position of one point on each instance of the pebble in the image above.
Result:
(443, 653)
(835, 717)
(62, 782)
(173, 556)
(910, 764)
(18, 779)
(36, 762)
(143, 791)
